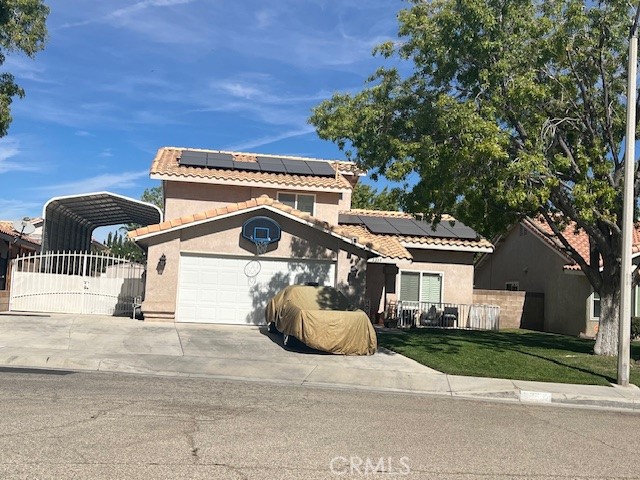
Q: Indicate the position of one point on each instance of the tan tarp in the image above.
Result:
(321, 318)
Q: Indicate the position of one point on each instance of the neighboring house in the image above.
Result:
(203, 267)
(530, 258)
(12, 244)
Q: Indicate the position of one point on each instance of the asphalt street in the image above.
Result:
(58, 425)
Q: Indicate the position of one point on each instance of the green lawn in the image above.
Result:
(515, 354)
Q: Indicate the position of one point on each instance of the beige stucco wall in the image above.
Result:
(223, 236)
(537, 268)
(161, 285)
(184, 198)
(456, 269)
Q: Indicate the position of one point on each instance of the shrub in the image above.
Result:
(635, 327)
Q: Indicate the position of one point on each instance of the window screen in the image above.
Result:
(596, 305)
(305, 203)
(288, 199)
(422, 287)
(431, 288)
(410, 286)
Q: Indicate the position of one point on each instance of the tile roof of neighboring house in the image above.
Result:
(166, 165)
(579, 240)
(6, 227)
(481, 243)
(388, 248)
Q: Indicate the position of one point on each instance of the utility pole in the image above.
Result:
(624, 330)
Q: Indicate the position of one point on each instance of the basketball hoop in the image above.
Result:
(262, 244)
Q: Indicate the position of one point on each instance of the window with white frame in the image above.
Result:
(595, 305)
(420, 287)
(512, 286)
(299, 201)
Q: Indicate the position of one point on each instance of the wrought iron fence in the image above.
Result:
(75, 282)
(447, 315)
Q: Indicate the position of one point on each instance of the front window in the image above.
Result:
(304, 203)
(595, 305)
(420, 287)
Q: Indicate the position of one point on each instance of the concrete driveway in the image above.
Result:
(236, 352)
(109, 344)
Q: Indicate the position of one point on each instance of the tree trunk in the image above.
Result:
(607, 337)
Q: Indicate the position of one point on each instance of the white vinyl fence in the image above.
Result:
(71, 282)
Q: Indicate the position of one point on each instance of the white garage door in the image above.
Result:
(223, 289)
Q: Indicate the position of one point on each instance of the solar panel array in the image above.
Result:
(409, 227)
(226, 161)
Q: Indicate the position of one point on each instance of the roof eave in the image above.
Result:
(454, 248)
(277, 211)
(245, 183)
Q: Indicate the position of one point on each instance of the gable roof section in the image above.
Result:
(362, 239)
(579, 240)
(166, 166)
(478, 245)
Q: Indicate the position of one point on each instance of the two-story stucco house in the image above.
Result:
(203, 264)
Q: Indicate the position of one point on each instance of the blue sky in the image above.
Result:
(119, 79)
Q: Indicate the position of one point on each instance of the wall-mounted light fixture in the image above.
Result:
(162, 262)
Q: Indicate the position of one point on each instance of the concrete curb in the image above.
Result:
(176, 367)
(115, 345)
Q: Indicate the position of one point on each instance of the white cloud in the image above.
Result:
(106, 153)
(265, 18)
(237, 89)
(258, 142)
(84, 133)
(9, 149)
(98, 183)
(11, 209)
(141, 17)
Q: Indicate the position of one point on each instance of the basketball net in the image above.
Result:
(261, 246)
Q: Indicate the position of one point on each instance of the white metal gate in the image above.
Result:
(71, 282)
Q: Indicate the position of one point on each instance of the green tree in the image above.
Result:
(119, 244)
(22, 30)
(509, 108)
(365, 196)
(154, 195)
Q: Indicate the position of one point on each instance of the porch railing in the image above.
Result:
(447, 315)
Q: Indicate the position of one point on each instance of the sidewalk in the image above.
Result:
(110, 344)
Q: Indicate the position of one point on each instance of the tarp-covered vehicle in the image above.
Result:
(321, 318)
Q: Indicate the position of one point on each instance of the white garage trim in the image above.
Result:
(235, 289)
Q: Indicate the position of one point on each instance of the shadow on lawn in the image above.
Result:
(544, 346)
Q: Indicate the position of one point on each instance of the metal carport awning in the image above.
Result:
(69, 221)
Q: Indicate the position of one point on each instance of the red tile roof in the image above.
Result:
(578, 239)
(6, 227)
(390, 248)
(166, 164)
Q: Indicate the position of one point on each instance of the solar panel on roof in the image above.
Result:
(322, 169)
(460, 230)
(271, 165)
(296, 167)
(346, 219)
(439, 230)
(407, 226)
(219, 160)
(194, 159)
(379, 225)
(246, 166)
